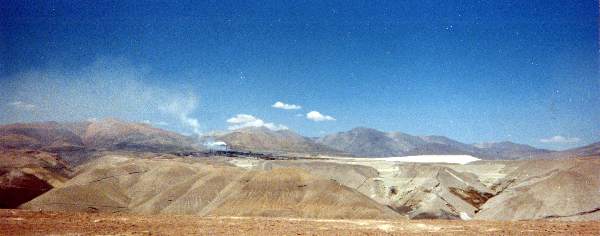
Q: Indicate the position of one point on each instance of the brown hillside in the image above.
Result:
(118, 184)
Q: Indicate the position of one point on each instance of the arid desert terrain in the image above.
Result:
(114, 177)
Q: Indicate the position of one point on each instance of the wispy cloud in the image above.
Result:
(285, 106)
(558, 139)
(317, 116)
(22, 105)
(244, 120)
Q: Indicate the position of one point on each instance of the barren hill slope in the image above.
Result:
(25, 174)
(263, 139)
(369, 142)
(510, 150)
(74, 141)
(430, 191)
(44, 135)
(114, 134)
(416, 190)
(359, 177)
(544, 189)
(591, 150)
(118, 184)
(366, 142)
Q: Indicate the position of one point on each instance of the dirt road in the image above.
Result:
(20, 222)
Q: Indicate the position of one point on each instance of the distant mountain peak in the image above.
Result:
(363, 141)
(106, 134)
(363, 128)
(267, 140)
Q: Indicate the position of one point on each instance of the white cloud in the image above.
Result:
(244, 120)
(317, 116)
(281, 105)
(22, 105)
(560, 139)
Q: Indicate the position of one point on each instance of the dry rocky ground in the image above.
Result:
(23, 222)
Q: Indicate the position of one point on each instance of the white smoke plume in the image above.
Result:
(108, 87)
(182, 108)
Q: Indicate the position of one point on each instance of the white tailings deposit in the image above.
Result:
(458, 159)
(450, 159)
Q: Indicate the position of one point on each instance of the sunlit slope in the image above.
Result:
(368, 142)
(117, 184)
(262, 139)
(413, 189)
(560, 189)
(106, 134)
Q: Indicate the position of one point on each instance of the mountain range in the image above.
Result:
(116, 135)
(107, 134)
(370, 142)
(261, 139)
(78, 141)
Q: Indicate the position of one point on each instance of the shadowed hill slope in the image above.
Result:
(26, 174)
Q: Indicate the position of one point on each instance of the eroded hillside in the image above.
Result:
(121, 184)
(331, 187)
(25, 174)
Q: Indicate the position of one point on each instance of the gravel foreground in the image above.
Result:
(22, 222)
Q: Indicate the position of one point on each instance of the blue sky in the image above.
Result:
(475, 71)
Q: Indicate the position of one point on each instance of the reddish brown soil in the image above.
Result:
(20, 222)
(15, 191)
